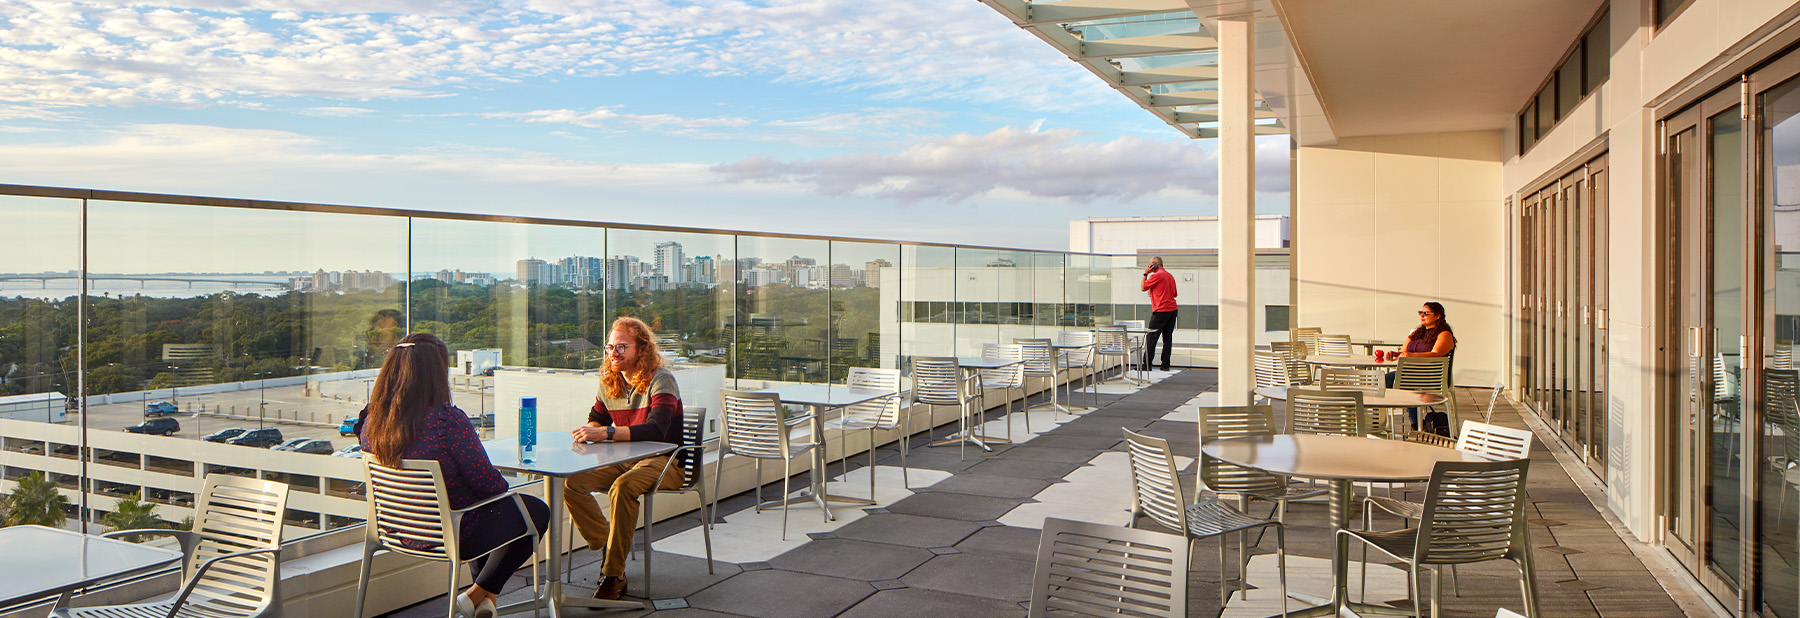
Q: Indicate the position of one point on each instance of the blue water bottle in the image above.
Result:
(527, 429)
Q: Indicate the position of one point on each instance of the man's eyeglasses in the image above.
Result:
(616, 347)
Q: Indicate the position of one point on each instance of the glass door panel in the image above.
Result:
(1778, 472)
(1680, 535)
(1725, 135)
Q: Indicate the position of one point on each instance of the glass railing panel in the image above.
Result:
(682, 285)
(261, 322)
(38, 345)
(864, 318)
(1078, 291)
(1049, 293)
(928, 301)
(1016, 307)
(783, 314)
(978, 297)
(1099, 289)
(516, 304)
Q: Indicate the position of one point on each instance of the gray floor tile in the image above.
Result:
(1032, 451)
(955, 506)
(782, 594)
(919, 602)
(1025, 468)
(973, 574)
(991, 486)
(1004, 542)
(850, 559)
(909, 530)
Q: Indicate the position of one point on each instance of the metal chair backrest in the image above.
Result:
(1784, 357)
(1295, 354)
(1422, 373)
(1092, 569)
(1010, 377)
(235, 514)
(409, 507)
(938, 381)
(1222, 422)
(1493, 441)
(1373, 382)
(1112, 342)
(754, 426)
(1493, 401)
(1781, 402)
(1335, 413)
(693, 432)
(1076, 356)
(1334, 345)
(1308, 336)
(1271, 370)
(1724, 384)
(1040, 359)
(884, 411)
(1129, 323)
(1474, 511)
(1155, 488)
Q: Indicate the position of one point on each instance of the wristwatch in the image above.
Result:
(609, 432)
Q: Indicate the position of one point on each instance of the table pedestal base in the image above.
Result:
(1338, 502)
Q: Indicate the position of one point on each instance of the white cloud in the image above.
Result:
(200, 52)
(340, 111)
(862, 127)
(608, 118)
(1040, 164)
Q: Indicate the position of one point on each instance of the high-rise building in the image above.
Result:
(841, 277)
(531, 270)
(872, 271)
(669, 259)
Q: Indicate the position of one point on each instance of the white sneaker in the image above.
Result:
(485, 609)
(464, 607)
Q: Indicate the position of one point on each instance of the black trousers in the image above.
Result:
(500, 521)
(1162, 324)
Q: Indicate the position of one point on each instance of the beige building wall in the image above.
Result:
(1384, 224)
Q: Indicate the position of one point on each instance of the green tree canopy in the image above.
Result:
(34, 501)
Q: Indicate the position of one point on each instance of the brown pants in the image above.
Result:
(623, 484)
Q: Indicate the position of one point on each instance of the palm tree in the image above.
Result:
(130, 514)
(34, 501)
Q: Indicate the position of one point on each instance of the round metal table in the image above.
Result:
(1391, 398)
(1340, 460)
(1353, 360)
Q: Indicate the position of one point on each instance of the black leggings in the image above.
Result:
(500, 521)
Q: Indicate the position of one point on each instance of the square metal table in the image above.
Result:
(52, 561)
(818, 398)
(973, 435)
(557, 457)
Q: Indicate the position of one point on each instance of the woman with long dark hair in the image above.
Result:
(410, 417)
(1433, 337)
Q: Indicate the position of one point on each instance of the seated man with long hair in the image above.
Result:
(638, 400)
(410, 417)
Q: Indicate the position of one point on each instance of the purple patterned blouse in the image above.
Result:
(449, 438)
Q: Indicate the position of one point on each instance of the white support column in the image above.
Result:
(1237, 209)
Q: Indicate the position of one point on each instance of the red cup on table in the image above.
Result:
(1379, 355)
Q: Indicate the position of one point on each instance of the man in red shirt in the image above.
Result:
(1161, 286)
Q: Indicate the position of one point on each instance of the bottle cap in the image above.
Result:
(527, 402)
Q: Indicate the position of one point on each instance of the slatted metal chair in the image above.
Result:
(1474, 512)
(1005, 379)
(1157, 494)
(690, 460)
(1042, 362)
(410, 514)
(1308, 336)
(1090, 569)
(1295, 353)
(232, 556)
(1429, 374)
(1494, 401)
(1138, 341)
(1784, 357)
(1781, 406)
(1114, 345)
(1271, 371)
(1727, 407)
(1325, 412)
(1369, 381)
(1334, 345)
(1078, 360)
(755, 429)
(939, 381)
(1222, 422)
(882, 414)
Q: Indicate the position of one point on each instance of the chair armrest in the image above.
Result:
(505, 494)
(700, 451)
(188, 588)
(143, 531)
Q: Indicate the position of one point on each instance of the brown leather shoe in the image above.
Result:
(611, 588)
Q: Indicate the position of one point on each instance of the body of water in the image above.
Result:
(163, 286)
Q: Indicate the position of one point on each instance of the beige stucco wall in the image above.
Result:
(1383, 224)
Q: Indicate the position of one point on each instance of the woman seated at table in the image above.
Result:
(1433, 338)
(410, 417)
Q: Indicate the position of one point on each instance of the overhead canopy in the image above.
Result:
(1161, 54)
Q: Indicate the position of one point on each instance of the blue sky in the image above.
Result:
(932, 120)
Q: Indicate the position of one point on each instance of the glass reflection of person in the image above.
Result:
(385, 330)
(410, 417)
(638, 400)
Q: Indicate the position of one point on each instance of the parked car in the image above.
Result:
(315, 447)
(485, 421)
(32, 449)
(160, 409)
(348, 427)
(353, 451)
(260, 438)
(156, 426)
(224, 434)
(289, 445)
